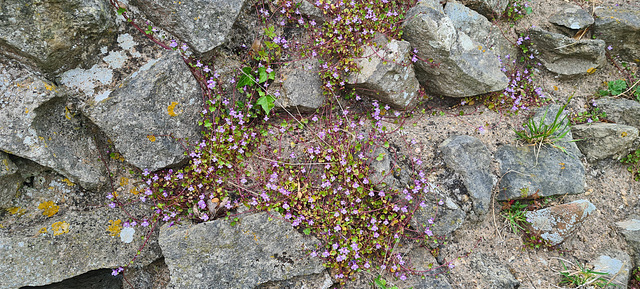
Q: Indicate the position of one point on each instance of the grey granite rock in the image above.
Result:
(566, 56)
(546, 170)
(630, 229)
(621, 110)
(459, 67)
(420, 259)
(10, 181)
(55, 35)
(386, 73)
(299, 87)
(619, 26)
(602, 140)
(161, 99)
(571, 16)
(478, 28)
(381, 172)
(74, 243)
(492, 9)
(39, 123)
(470, 158)
(203, 24)
(557, 223)
(443, 219)
(617, 264)
(254, 251)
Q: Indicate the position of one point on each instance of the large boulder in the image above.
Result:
(566, 56)
(470, 158)
(40, 123)
(151, 115)
(547, 170)
(67, 245)
(203, 24)
(256, 250)
(460, 67)
(602, 140)
(386, 73)
(480, 29)
(619, 27)
(55, 35)
(557, 223)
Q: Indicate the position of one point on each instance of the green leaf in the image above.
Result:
(121, 10)
(307, 231)
(380, 157)
(386, 144)
(262, 74)
(207, 123)
(617, 87)
(246, 79)
(266, 102)
(528, 10)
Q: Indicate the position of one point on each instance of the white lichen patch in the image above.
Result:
(125, 41)
(115, 59)
(629, 225)
(87, 80)
(126, 235)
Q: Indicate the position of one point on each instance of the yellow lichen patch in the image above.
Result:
(124, 181)
(134, 191)
(42, 230)
(60, 228)
(26, 110)
(114, 227)
(171, 108)
(624, 134)
(49, 87)
(591, 70)
(151, 138)
(48, 208)
(16, 210)
(68, 182)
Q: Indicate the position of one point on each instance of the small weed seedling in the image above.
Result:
(582, 276)
(635, 279)
(515, 214)
(539, 133)
(382, 283)
(633, 160)
(621, 87)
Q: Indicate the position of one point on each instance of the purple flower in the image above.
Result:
(145, 223)
(609, 47)
(112, 205)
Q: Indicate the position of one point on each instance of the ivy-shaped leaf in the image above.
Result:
(246, 79)
(266, 102)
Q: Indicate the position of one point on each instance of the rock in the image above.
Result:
(493, 273)
(254, 251)
(154, 275)
(470, 158)
(96, 279)
(299, 87)
(57, 35)
(492, 9)
(544, 171)
(571, 16)
(39, 123)
(630, 229)
(621, 110)
(617, 264)
(386, 73)
(321, 281)
(381, 172)
(202, 24)
(10, 181)
(478, 28)
(445, 218)
(619, 27)
(460, 68)
(421, 260)
(566, 56)
(161, 99)
(602, 140)
(32, 258)
(555, 224)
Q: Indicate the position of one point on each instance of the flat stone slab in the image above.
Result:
(555, 224)
(602, 140)
(255, 251)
